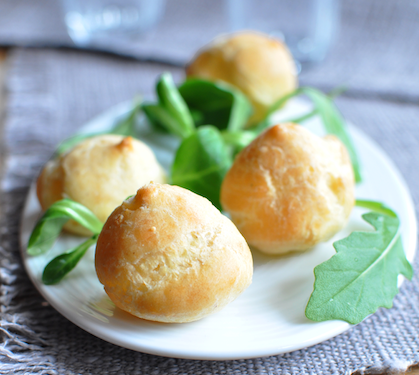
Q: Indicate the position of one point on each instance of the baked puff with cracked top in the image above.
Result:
(260, 66)
(100, 172)
(289, 189)
(168, 255)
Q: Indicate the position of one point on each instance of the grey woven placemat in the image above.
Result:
(52, 93)
(376, 52)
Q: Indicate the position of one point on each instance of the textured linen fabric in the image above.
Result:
(40, 23)
(52, 92)
(376, 52)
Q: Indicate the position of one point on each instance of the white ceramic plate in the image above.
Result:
(267, 319)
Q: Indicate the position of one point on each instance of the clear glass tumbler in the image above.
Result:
(307, 26)
(88, 20)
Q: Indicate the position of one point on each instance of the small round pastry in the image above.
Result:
(99, 173)
(289, 189)
(260, 66)
(169, 255)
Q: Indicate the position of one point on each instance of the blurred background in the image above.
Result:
(64, 62)
(370, 46)
(171, 30)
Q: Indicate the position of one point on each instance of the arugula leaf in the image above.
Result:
(64, 263)
(330, 116)
(49, 226)
(201, 163)
(362, 275)
(124, 127)
(216, 103)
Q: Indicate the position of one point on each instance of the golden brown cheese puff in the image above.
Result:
(289, 189)
(169, 255)
(260, 66)
(99, 173)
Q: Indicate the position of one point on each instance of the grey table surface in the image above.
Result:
(51, 91)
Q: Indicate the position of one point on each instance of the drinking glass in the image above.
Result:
(308, 27)
(88, 20)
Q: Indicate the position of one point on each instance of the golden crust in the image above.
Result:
(260, 66)
(99, 173)
(169, 255)
(289, 189)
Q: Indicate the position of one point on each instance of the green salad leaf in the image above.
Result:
(174, 114)
(50, 224)
(362, 275)
(239, 139)
(162, 120)
(64, 263)
(376, 207)
(201, 163)
(216, 103)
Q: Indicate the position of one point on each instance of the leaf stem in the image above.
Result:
(303, 118)
(375, 206)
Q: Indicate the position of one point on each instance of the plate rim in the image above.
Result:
(121, 109)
